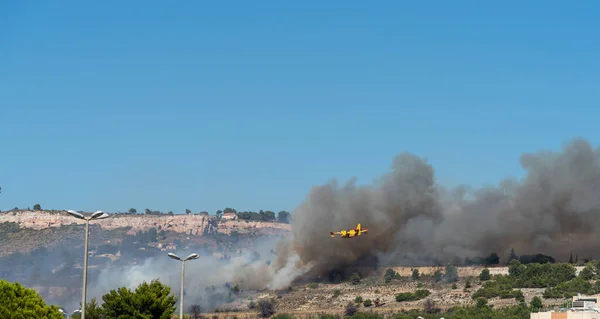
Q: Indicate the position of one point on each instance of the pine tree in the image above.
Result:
(512, 256)
(571, 258)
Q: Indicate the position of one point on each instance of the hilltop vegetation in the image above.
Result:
(17, 301)
(262, 215)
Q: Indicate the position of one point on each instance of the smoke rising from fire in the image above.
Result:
(413, 220)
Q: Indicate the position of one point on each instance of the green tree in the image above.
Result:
(515, 268)
(229, 210)
(149, 301)
(195, 312)
(571, 258)
(266, 216)
(588, 272)
(437, 275)
(132, 211)
(355, 278)
(481, 302)
(512, 256)
(485, 275)
(188, 211)
(19, 302)
(390, 274)
(451, 274)
(37, 207)
(492, 259)
(536, 304)
(92, 311)
(283, 217)
(415, 274)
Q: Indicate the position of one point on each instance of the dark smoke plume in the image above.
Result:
(412, 220)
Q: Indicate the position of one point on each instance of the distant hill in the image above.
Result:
(197, 224)
(23, 231)
(43, 249)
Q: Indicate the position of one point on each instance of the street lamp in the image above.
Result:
(97, 215)
(67, 314)
(190, 257)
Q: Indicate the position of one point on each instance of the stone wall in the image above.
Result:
(189, 224)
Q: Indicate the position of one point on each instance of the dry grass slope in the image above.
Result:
(311, 300)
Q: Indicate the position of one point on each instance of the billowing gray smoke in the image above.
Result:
(412, 220)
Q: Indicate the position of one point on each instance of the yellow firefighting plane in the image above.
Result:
(350, 233)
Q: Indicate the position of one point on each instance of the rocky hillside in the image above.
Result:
(375, 293)
(198, 225)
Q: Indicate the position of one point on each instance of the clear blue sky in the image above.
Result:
(248, 104)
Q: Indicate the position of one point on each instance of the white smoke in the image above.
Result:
(208, 279)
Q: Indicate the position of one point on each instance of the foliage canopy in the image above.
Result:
(19, 302)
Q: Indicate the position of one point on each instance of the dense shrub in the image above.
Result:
(266, 307)
(350, 309)
(451, 274)
(366, 315)
(571, 288)
(541, 275)
(390, 275)
(412, 296)
(558, 279)
(485, 275)
(501, 287)
(591, 271)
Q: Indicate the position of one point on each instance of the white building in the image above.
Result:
(229, 216)
(582, 308)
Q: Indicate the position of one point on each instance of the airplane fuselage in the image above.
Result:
(350, 233)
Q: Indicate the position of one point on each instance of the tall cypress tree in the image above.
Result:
(571, 258)
(512, 256)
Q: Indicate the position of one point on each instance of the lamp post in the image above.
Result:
(190, 257)
(67, 314)
(97, 215)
